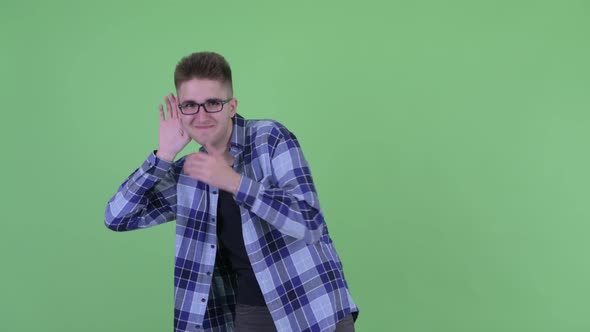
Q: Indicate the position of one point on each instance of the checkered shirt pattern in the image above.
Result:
(285, 234)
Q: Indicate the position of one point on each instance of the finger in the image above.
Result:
(169, 108)
(161, 112)
(201, 156)
(174, 106)
(190, 158)
(209, 154)
(191, 169)
(194, 163)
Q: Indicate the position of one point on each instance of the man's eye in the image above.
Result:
(189, 105)
(213, 103)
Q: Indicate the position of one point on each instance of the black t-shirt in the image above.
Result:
(229, 232)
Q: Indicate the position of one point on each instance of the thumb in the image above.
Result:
(211, 150)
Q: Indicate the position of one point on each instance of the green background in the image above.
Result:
(448, 141)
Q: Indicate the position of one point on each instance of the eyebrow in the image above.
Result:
(207, 100)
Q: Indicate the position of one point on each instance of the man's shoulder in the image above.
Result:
(263, 124)
(263, 128)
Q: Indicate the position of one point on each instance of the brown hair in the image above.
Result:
(203, 65)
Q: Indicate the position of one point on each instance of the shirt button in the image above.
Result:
(203, 300)
(198, 326)
(214, 192)
(213, 219)
(212, 246)
(208, 273)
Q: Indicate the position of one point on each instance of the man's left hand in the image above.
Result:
(213, 170)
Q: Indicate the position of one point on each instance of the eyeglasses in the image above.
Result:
(210, 106)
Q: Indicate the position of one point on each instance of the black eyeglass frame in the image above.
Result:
(223, 102)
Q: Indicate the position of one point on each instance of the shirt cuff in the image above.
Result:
(248, 191)
(156, 166)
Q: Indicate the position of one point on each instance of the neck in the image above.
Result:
(223, 152)
(223, 148)
(214, 150)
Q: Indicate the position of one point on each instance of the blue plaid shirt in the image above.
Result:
(285, 235)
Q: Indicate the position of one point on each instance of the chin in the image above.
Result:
(195, 137)
(199, 140)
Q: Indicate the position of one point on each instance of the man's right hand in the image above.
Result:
(172, 139)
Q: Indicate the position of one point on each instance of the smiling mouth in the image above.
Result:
(204, 127)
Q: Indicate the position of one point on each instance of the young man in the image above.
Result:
(253, 252)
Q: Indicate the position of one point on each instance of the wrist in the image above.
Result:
(165, 155)
(234, 184)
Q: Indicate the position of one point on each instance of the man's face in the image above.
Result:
(212, 130)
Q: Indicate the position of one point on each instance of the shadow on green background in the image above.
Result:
(448, 142)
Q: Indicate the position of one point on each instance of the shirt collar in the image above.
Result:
(238, 135)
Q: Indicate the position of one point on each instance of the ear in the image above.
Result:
(234, 106)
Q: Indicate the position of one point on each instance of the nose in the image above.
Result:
(201, 116)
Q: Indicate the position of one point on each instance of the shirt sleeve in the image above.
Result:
(291, 205)
(145, 199)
